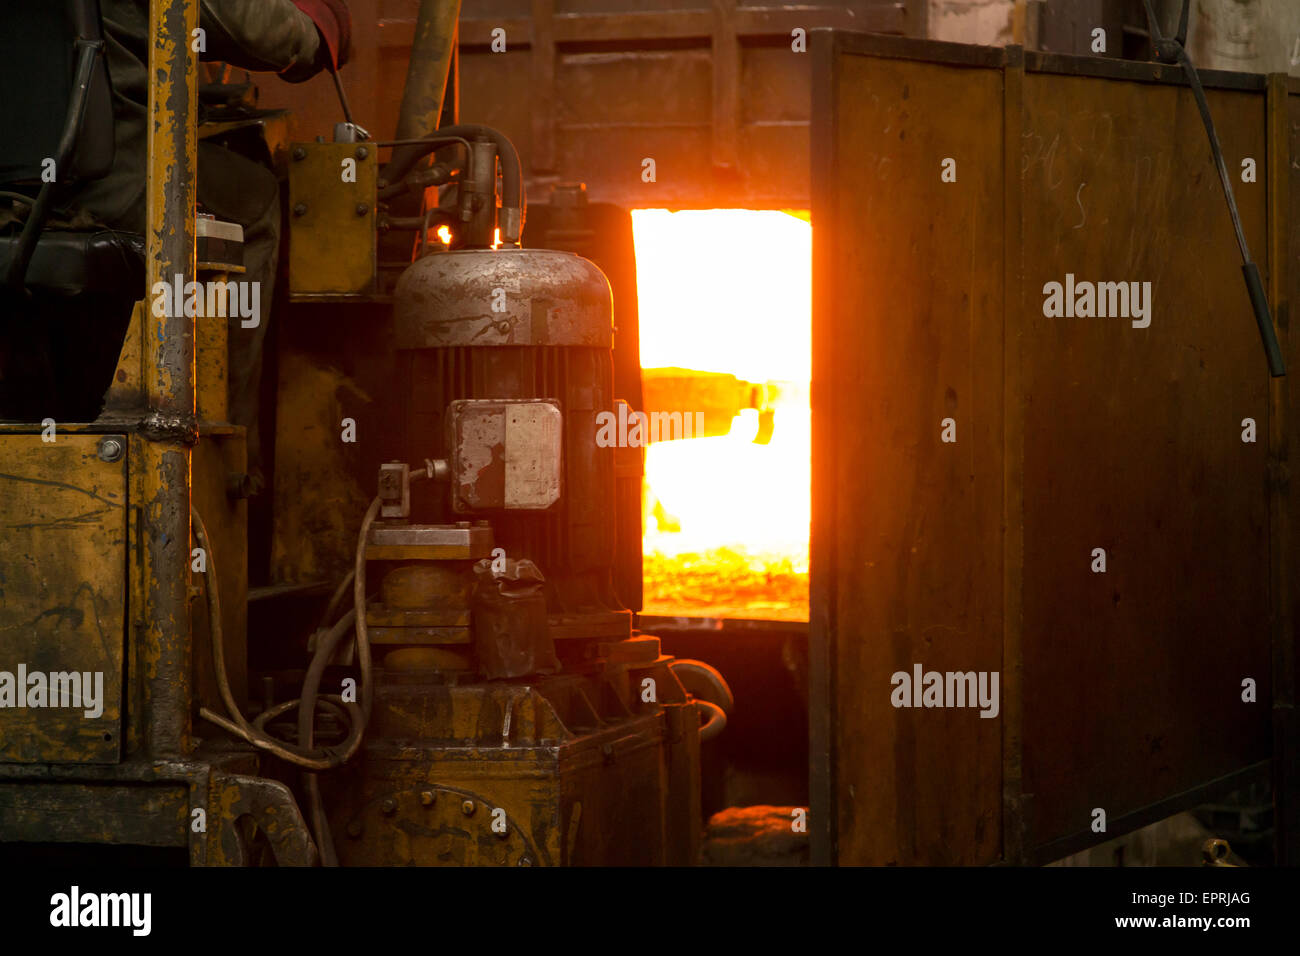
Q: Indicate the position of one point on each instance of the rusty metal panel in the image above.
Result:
(152, 814)
(63, 598)
(505, 455)
(514, 775)
(1119, 689)
(332, 218)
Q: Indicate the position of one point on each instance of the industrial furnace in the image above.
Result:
(432, 603)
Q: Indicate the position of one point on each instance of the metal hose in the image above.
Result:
(512, 170)
(704, 681)
(717, 719)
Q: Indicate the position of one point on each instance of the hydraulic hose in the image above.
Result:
(308, 757)
(306, 728)
(513, 201)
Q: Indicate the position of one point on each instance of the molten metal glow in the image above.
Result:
(726, 524)
(444, 234)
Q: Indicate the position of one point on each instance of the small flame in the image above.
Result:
(444, 235)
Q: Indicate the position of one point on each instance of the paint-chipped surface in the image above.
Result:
(505, 454)
(62, 595)
(503, 297)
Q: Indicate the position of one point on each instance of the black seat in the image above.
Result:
(72, 263)
(65, 295)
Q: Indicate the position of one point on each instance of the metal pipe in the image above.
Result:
(169, 430)
(513, 198)
(426, 76)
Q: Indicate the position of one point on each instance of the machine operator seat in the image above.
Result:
(66, 293)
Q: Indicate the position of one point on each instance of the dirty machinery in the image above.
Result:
(474, 691)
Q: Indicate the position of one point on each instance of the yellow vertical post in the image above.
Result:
(169, 429)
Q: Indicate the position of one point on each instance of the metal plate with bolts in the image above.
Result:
(332, 218)
(505, 455)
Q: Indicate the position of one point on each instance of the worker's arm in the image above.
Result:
(272, 36)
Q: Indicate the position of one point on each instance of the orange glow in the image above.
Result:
(496, 238)
(726, 524)
(444, 235)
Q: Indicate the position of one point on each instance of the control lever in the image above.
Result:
(1172, 50)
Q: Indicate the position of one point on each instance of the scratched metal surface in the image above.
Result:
(62, 590)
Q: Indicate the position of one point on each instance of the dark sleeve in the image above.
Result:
(267, 36)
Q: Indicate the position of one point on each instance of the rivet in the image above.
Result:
(299, 153)
(362, 208)
(467, 808)
(110, 449)
(362, 152)
(389, 806)
(300, 209)
(427, 797)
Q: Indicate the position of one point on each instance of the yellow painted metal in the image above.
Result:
(127, 388)
(316, 543)
(168, 349)
(211, 358)
(332, 218)
(155, 814)
(62, 604)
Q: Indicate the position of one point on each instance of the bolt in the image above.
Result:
(299, 153)
(363, 208)
(467, 808)
(354, 829)
(110, 449)
(389, 806)
(362, 152)
(427, 797)
(525, 861)
(300, 209)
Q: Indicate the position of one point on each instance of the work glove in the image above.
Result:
(334, 22)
